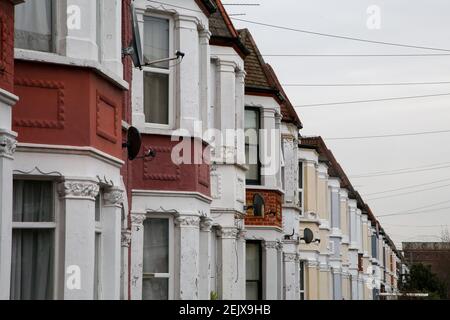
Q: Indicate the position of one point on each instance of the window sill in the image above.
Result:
(46, 57)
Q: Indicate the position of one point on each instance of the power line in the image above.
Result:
(357, 55)
(341, 37)
(362, 84)
(415, 226)
(422, 207)
(406, 193)
(408, 213)
(402, 172)
(402, 169)
(371, 100)
(404, 188)
(175, 6)
(390, 135)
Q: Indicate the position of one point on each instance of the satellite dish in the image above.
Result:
(135, 49)
(258, 205)
(134, 142)
(308, 236)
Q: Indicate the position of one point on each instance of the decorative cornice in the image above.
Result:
(228, 233)
(113, 196)
(79, 189)
(270, 245)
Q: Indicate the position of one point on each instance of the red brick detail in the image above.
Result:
(7, 45)
(272, 208)
(107, 118)
(50, 93)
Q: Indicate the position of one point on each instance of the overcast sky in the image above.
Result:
(412, 22)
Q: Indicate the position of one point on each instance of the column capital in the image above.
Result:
(187, 221)
(137, 219)
(8, 144)
(270, 244)
(206, 224)
(79, 189)
(228, 233)
(125, 239)
(290, 257)
(113, 197)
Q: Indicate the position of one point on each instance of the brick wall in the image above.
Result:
(272, 208)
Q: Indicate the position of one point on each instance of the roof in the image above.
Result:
(287, 109)
(222, 30)
(207, 6)
(258, 78)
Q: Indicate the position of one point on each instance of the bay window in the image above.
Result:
(157, 77)
(252, 126)
(156, 281)
(33, 240)
(33, 25)
(253, 266)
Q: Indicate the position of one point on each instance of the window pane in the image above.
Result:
(33, 25)
(97, 266)
(32, 264)
(300, 175)
(156, 98)
(252, 261)
(156, 246)
(97, 208)
(33, 201)
(252, 290)
(251, 145)
(156, 40)
(155, 289)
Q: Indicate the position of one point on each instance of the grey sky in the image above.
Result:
(414, 22)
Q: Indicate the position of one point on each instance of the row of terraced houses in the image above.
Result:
(80, 220)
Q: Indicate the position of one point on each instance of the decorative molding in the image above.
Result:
(216, 185)
(240, 190)
(100, 132)
(162, 176)
(125, 239)
(60, 108)
(203, 175)
(79, 189)
(187, 221)
(241, 234)
(8, 146)
(113, 196)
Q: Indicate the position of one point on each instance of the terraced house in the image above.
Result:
(192, 214)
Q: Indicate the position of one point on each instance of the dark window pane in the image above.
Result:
(156, 41)
(156, 98)
(156, 246)
(32, 264)
(155, 289)
(33, 201)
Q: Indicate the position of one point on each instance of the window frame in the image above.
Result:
(171, 255)
(55, 226)
(260, 280)
(169, 71)
(258, 181)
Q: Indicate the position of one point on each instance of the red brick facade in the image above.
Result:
(6, 45)
(272, 208)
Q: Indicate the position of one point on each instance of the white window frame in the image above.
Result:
(170, 275)
(55, 226)
(169, 71)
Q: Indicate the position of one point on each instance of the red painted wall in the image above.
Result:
(6, 45)
(161, 173)
(272, 208)
(64, 105)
